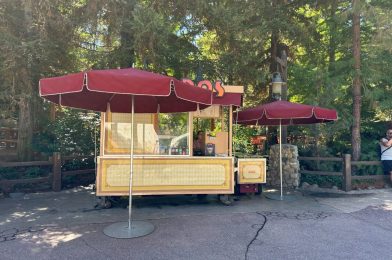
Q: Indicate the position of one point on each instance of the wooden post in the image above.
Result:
(347, 172)
(56, 183)
(231, 131)
(52, 112)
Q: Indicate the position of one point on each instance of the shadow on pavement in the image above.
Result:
(337, 195)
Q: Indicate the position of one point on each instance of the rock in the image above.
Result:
(386, 186)
(314, 186)
(334, 187)
(370, 188)
(305, 184)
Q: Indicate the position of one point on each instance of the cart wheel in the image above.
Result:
(259, 189)
(103, 203)
(225, 200)
(250, 194)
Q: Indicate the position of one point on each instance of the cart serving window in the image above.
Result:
(154, 134)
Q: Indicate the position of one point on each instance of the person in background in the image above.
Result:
(198, 144)
(386, 153)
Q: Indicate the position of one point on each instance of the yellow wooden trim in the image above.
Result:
(234, 89)
(260, 163)
(190, 127)
(231, 131)
(102, 135)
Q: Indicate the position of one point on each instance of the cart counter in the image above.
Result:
(165, 175)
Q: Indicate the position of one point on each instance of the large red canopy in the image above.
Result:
(286, 113)
(95, 89)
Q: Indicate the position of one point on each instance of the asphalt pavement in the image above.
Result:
(304, 225)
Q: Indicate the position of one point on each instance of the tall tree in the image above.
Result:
(25, 120)
(356, 127)
(35, 40)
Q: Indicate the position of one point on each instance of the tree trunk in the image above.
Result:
(332, 37)
(25, 121)
(356, 134)
(25, 131)
(283, 69)
(127, 53)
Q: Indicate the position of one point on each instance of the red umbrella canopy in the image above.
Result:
(95, 89)
(286, 112)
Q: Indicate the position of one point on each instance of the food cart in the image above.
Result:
(163, 160)
(159, 135)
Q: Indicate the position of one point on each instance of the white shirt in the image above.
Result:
(387, 155)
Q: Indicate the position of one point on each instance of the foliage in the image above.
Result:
(8, 173)
(226, 40)
(14, 173)
(73, 133)
(79, 164)
(241, 139)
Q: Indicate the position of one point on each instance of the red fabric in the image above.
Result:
(63, 84)
(94, 90)
(128, 81)
(228, 99)
(287, 112)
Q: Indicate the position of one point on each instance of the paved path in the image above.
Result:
(65, 225)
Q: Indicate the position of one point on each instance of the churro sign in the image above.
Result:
(206, 84)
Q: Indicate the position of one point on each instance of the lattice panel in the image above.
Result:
(164, 175)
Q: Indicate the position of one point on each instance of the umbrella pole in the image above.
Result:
(131, 173)
(130, 229)
(280, 159)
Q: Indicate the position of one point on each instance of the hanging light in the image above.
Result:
(277, 84)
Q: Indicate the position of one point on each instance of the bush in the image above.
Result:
(72, 133)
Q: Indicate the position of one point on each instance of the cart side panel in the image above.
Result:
(164, 175)
(251, 171)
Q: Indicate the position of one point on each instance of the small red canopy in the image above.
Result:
(95, 89)
(286, 113)
(228, 99)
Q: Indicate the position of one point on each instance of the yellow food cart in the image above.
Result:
(163, 159)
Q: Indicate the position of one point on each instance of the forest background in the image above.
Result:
(339, 56)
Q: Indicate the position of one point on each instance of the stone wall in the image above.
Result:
(290, 165)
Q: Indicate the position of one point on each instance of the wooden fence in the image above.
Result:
(8, 138)
(346, 172)
(8, 143)
(54, 178)
(56, 175)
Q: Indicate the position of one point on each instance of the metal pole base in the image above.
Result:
(277, 196)
(120, 229)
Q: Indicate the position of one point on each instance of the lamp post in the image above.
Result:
(277, 85)
(282, 67)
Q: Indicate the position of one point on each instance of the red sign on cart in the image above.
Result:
(216, 87)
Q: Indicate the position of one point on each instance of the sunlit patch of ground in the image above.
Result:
(52, 238)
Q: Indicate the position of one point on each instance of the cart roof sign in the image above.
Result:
(216, 87)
